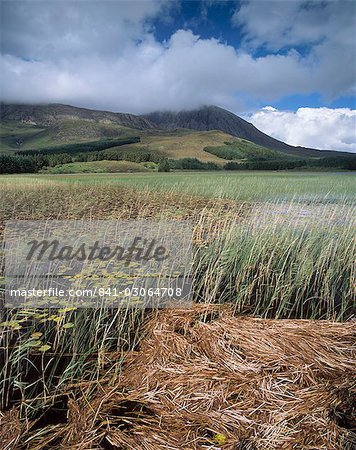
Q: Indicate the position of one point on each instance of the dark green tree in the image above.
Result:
(164, 166)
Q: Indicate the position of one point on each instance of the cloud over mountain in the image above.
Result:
(107, 55)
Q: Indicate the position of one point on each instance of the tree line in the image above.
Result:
(341, 163)
(32, 161)
(82, 147)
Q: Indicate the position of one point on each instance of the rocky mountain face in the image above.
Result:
(48, 115)
(215, 118)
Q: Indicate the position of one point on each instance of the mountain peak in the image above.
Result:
(211, 117)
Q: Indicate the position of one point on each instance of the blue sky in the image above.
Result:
(282, 64)
(211, 20)
(215, 20)
(203, 18)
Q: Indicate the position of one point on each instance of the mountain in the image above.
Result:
(215, 118)
(49, 115)
(41, 126)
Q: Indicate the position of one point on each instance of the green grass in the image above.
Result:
(242, 186)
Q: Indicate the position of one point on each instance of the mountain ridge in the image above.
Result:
(205, 118)
(212, 117)
(49, 114)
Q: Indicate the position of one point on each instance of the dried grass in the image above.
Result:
(202, 376)
(11, 429)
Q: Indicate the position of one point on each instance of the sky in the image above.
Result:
(288, 66)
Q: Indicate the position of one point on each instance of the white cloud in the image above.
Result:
(323, 30)
(185, 72)
(322, 128)
(51, 30)
(104, 55)
(280, 23)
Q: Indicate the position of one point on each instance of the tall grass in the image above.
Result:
(288, 258)
(33, 376)
(283, 267)
(246, 186)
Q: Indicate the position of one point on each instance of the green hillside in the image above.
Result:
(243, 150)
(176, 144)
(179, 144)
(15, 136)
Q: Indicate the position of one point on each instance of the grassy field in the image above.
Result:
(274, 245)
(242, 186)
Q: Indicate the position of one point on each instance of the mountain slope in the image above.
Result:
(41, 126)
(16, 136)
(47, 115)
(215, 118)
(182, 144)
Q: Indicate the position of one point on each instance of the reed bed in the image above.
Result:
(78, 352)
(272, 259)
(285, 260)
